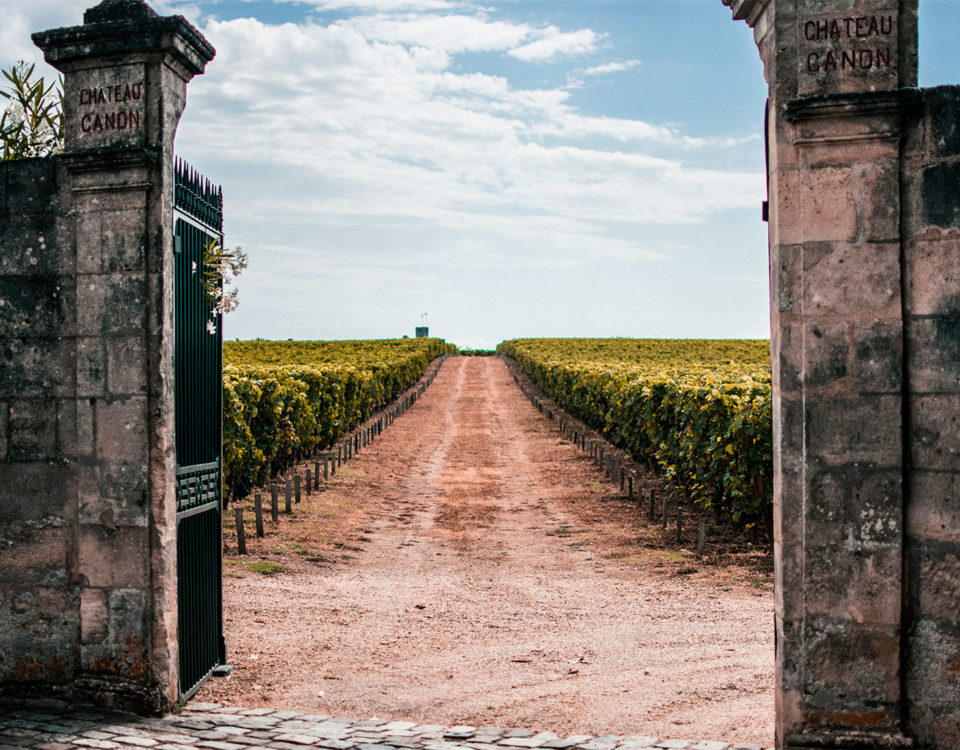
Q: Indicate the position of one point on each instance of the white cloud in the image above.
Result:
(22, 19)
(613, 67)
(362, 152)
(381, 6)
(449, 32)
(368, 133)
(555, 43)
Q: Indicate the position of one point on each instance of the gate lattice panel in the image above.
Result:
(198, 217)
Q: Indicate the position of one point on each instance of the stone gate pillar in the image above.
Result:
(109, 569)
(864, 211)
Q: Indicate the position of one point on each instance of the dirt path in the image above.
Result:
(477, 592)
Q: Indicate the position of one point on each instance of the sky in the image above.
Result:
(507, 167)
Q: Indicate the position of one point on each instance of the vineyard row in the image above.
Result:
(699, 411)
(276, 414)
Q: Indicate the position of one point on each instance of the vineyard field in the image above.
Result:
(282, 400)
(699, 410)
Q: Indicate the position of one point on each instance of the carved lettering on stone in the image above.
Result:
(108, 108)
(847, 53)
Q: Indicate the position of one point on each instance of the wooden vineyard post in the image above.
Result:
(241, 535)
(258, 513)
(274, 502)
(287, 496)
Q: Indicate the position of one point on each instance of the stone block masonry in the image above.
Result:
(864, 176)
(87, 471)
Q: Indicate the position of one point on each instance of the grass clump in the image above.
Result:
(265, 567)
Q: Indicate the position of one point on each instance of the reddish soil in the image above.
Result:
(470, 567)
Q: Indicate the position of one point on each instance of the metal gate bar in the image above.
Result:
(198, 363)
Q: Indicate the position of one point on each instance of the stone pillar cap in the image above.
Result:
(118, 27)
(118, 10)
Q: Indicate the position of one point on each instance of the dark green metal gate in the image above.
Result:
(198, 218)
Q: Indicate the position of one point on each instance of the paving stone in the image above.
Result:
(96, 734)
(316, 718)
(706, 745)
(54, 746)
(60, 737)
(101, 744)
(400, 741)
(64, 728)
(124, 729)
(219, 745)
(600, 743)
(482, 746)
(520, 733)
(285, 745)
(537, 740)
(136, 740)
(397, 726)
(639, 743)
(332, 727)
(299, 739)
(228, 710)
(192, 724)
(174, 738)
(675, 744)
(746, 746)
(173, 746)
(17, 742)
(255, 722)
(335, 744)
(372, 746)
(491, 731)
(460, 733)
(371, 723)
(428, 728)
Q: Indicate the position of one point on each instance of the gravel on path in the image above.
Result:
(477, 596)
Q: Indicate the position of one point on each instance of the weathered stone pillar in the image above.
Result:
(864, 207)
(125, 74)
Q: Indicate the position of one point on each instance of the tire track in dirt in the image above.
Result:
(475, 600)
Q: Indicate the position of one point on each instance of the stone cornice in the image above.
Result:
(126, 33)
(842, 104)
(746, 10)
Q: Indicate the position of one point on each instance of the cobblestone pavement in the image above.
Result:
(51, 725)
